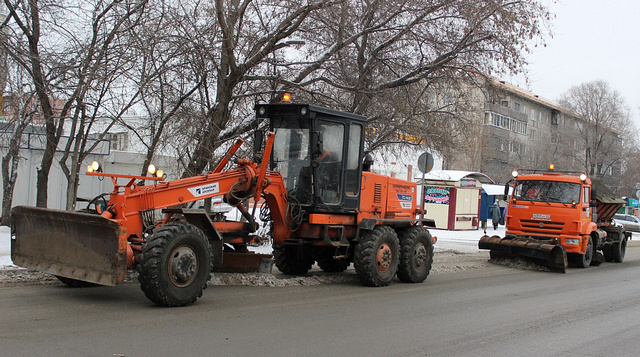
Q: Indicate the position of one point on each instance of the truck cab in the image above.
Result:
(319, 152)
(552, 206)
(555, 217)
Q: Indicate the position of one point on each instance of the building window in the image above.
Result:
(516, 106)
(532, 134)
(508, 123)
(118, 140)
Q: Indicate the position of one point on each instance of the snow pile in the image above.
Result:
(270, 280)
(519, 263)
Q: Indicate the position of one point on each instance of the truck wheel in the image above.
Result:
(74, 283)
(175, 265)
(331, 265)
(416, 254)
(584, 260)
(376, 256)
(619, 249)
(288, 261)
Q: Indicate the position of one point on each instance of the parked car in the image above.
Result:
(628, 221)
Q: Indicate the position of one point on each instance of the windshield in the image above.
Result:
(291, 157)
(547, 191)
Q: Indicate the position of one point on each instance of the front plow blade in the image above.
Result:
(74, 245)
(550, 255)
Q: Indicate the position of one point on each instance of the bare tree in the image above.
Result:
(602, 127)
(19, 111)
(71, 50)
(251, 31)
(362, 53)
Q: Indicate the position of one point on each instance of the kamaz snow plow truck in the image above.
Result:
(321, 202)
(555, 218)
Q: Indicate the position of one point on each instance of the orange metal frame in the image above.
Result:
(128, 202)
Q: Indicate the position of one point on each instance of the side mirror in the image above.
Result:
(506, 191)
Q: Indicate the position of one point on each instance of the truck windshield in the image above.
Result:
(291, 157)
(547, 191)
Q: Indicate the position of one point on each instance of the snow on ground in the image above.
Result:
(456, 241)
(5, 247)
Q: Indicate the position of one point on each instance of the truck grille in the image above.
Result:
(541, 226)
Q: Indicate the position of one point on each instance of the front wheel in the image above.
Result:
(584, 260)
(175, 265)
(416, 254)
(376, 256)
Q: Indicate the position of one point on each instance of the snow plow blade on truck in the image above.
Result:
(544, 253)
(71, 245)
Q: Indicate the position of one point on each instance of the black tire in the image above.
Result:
(608, 255)
(74, 283)
(584, 260)
(619, 249)
(288, 262)
(175, 265)
(376, 256)
(416, 254)
(331, 265)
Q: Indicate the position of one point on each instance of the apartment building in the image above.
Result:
(518, 129)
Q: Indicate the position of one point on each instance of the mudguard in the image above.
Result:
(75, 245)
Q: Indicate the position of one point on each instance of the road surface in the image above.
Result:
(490, 311)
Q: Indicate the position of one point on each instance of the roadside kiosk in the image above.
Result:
(452, 198)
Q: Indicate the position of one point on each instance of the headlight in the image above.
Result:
(572, 241)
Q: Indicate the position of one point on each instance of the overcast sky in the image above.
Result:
(592, 39)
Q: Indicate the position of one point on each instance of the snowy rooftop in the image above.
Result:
(456, 175)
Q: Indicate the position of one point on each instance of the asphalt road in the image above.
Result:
(492, 311)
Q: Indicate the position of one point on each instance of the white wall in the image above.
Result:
(90, 186)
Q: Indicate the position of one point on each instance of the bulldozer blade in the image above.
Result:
(552, 256)
(74, 245)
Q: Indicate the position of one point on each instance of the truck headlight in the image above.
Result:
(572, 241)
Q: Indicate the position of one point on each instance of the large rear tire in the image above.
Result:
(416, 254)
(376, 256)
(619, 249)
(175, 265)
(289, 262)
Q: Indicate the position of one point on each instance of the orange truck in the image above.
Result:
(322, 203)
(555, 218)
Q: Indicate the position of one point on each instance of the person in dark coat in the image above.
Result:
(495, 215)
